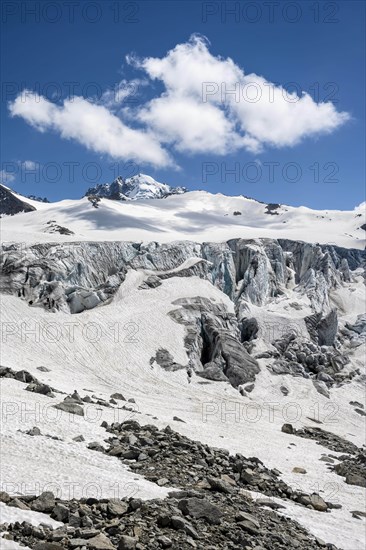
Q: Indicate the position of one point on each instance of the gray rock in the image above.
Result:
(164, 542)
(321, 388)
(100, 542)
(287, 429)
(117, 507)
(358, 514)
(4, 497)
(34, 431)
(127, 543)
(17, 503)
(44, 503)
(78, 543)
(269, 503)
(118, 396)
(354, 479)
(318, 503)
(11, 204)
(162, 481)
(79, 438)
(43, 389)
(177, 419)
(151, 282)
(212, 371)
(327, 329)
(25, 376)
(220, 485)
(166, 361)
(71, 408)
(60, 512)
(179, 523)
(200, 508)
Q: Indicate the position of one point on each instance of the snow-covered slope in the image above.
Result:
(109, 350)
(137, 187)
(195, 215)
(226, 335)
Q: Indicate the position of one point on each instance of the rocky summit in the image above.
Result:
(136, 187)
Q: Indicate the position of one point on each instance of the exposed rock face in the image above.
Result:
(213, 342)
(53, 227)
(38, 199)
(11, 204)
(140, 186)
(356, 332)
(323, 330)
(165, 360)
(308, 359)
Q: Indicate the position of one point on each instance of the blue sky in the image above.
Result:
(294, 149)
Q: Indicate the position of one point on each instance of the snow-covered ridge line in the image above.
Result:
(193, 216)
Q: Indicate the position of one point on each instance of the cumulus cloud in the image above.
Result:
(126, 92)
(29, 165)
(208, 105)
(6, 177)
(92, 125)
(190, 126)
(238, 110)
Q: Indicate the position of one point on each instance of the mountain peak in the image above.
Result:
(140, 186)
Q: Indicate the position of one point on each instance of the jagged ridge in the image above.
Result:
(137, 187)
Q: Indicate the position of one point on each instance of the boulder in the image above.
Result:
(60, 512)
(44, 503)
(100, 542)
(118, 396)
(318, 503)
(127, 543)
(321, 388)
(355, 479)
(71, 408)
(200, 508)
(117, 507)
(220, 485)
(17, 503)
(287, 429)
(213, 371)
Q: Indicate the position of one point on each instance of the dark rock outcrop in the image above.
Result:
(11, 204)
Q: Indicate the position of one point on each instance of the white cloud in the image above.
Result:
(190, 126)
(6, 177)
(126, 92)
(237, 110)
(92, 125)
(209, 105)
(29, 165)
